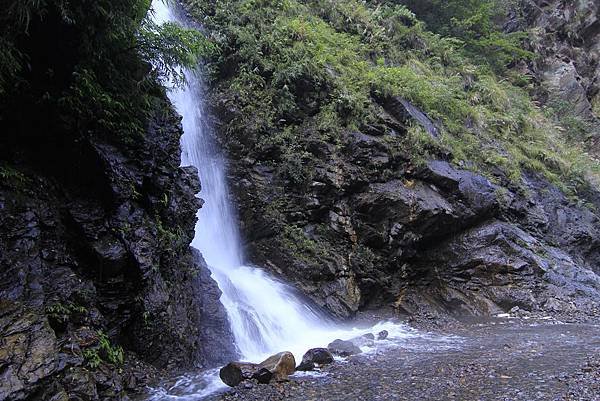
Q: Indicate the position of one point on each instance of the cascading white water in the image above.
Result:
(265, 315)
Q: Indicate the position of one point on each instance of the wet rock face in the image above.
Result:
(315, 357)
(345, 238)
(565, 36)
(370, 229)
(407, 113)
(511, 270)
(105, 252)
(538, 253)
(235, 373)
(215, 339)
(29, 350)
(343, 348)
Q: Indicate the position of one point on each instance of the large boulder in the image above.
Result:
(263, 376)
(278, 367)
(382, 335)
(315, 357)
(281, 365)
(343, 348)
(366, 340)
(234, 373)
(407, 113)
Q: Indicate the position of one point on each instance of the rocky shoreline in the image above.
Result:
(496, 359)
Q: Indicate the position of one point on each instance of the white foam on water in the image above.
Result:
(190, 388)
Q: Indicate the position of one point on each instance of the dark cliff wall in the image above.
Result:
(367, 192)
(565, 37)
(435, 240)
(105, 258)
(99, 289)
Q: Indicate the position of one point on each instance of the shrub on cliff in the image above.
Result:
(86, 67)
(477, 24)
(291, 73)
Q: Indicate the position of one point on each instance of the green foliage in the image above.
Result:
(15, 20)
(164, 201)
(476, 26)
(62, 312)
(573, 126)
(295, 73)
(104, 351)
(169, 240)
(92, 356)
(113, 354)
(11, 177)
(10, 63)
(90, 107)
(93, 65)
(170, 48)
(304, 248)
(147, 319)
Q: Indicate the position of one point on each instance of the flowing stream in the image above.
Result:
(265, 315)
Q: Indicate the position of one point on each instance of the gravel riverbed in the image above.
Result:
(495, 360)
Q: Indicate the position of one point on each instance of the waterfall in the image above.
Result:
(265, 314)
